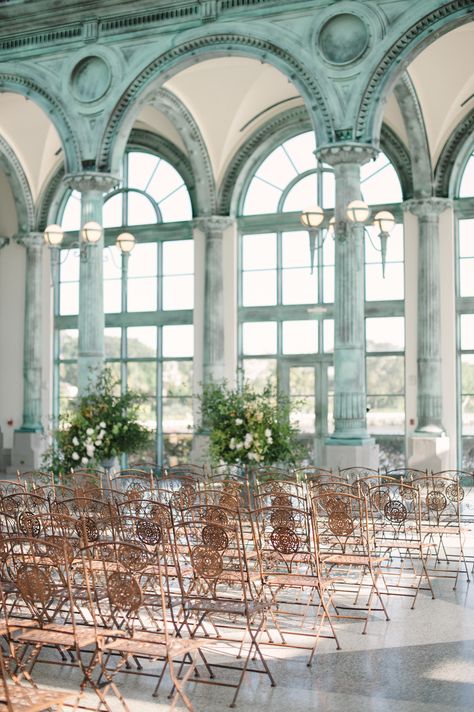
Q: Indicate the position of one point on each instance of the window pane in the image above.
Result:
(140, 210)
(68, 380)
(261, 198)
(300, 337)
(141, 167)
(466, 277)
(386, 414)
(328, 335)
(177, 449)
(71, 219)
(141, 376)
(112, 296)
(177, 415)
(299, 286)
(112, 262)
(260, 372)
(165, 181)
(466, 238)
(467, 183)
(468, 415)
(259, 337)
(259, 251)
(177, 206)
(467, 374)
(385, 334)
(301, 151)
(177, 378)
(329, 190)
(178, 340)
(141, 294)
(68, 340)
(303, 194)
(328, 284)
(142, 262)
(295, 250)
(70, 265)
(277, 169)
(112, 211)
(302, 381)
(259, 288)
(303, 415)
(394, 246)
(178, 257)
(379, 182)
(178, 292)
(467, 332)
(112, 341)
(141, 341)
(378, 288)
(69, 298)
(385, 375)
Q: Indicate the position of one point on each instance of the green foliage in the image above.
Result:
(248, 427)
(99, 425)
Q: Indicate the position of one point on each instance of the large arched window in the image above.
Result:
(148, 299)
(286, 329)
(465, 319)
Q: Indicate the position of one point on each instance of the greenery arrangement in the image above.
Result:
(100, 425)
(247, 427)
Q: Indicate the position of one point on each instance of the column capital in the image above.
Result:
(91, 180)
(214, 225)
(427, 207)
(349, 152)
(30, 239)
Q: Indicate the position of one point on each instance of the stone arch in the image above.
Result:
(20, 187)
(420, 158)
(398, 52)
(280, 128)
(453, 157)
(206, 47)
(12, 81)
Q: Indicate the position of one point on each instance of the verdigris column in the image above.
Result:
(350, 443)
(28, 440)
(91, 322)
(429, 367)
(3, 241)
(213, 346)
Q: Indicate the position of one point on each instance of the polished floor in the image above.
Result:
(422, 660)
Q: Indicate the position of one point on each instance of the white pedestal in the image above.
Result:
(27, 451)
(428, 453)
(339, 456)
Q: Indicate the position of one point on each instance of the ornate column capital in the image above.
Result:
(349, 152)
(91, 180)
(214, 225)
(427, 207)
(30, 239)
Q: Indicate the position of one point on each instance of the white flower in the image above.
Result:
(239, 421)
(101, 434)
(259, 417)
(268, 433)
(239, 446)
(232, 444)
(97, 443)
(270, 440)
(256, 457)
(84, 460)
(90, 450)
(90, 431)
(248, 440)
(102, 425)
(75, 456)
(75, 441)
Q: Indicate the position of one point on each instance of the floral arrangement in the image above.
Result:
(101, 424)
(247, 427)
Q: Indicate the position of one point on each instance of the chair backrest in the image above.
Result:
(395, 510)
(357, 473)
(341, 523)
(440, 499)
(283, 539)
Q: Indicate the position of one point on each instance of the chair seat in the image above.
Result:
(31, 700)
(154, 645)
(353, 559)
(299, 580)
(223, 606)
(64, 637)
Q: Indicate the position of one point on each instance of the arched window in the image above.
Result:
(148, 299)
(465, 320)
(286, 328)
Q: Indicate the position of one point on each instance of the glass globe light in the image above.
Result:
(358, 211)
(312, 217)
(125, 242)
(53, 235)
(91, 232)
(384, 221)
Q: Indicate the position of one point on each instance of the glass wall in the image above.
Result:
(148, 300)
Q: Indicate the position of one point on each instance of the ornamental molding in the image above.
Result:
(91, 181)
(217, 42)
(31, 240)
(427, 207)
(214, 226)
(47, 203)
(20, 186)
(350, 152)
(452, 154)
(182, 119)
(27, 87)
(398, 153)
(392, 58)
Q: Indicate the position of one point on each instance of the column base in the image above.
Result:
(28, 447)
(351, 453)
(427, 452)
